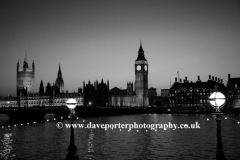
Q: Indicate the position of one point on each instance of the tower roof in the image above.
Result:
(141, 56)
(25, 59)
(140, 49)
(25, 64)
(59, 70)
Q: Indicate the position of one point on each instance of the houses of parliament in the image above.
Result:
(91, 94)
(181, 94)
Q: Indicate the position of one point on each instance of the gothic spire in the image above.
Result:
(33, 65)
(25, 64)
(141, 56)
(59, 71)
(140, 49)
(25, 59)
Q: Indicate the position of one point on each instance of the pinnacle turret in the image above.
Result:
(59, 71)
(141, 56)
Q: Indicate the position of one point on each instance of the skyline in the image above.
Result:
(94, 40)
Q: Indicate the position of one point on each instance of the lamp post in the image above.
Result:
(217, 100)
(72, 149)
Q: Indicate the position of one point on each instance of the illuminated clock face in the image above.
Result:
(138, 67)
(145, 67)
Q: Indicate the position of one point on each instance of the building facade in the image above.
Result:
(9, 101)
(141, 79)
(51, 95)
(96, 94)
(189, 94)
(233, 92)
(164, 92)
(25, 76)
(122, 97)
(139, 97)
(152, 91)
(152, 95)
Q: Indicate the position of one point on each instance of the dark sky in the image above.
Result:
(95, 39)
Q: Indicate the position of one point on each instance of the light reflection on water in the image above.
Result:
(6, 147)
(90, 147)
(44, 141)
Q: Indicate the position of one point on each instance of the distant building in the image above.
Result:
(189, 94)
(25, 76)
(152, 91)
(59, 81)
(96, 94)
(141, 79)
(122, 97)
(8, 101)
(128, 97)
(102, 93)
(165, 92)
(52, 95)
(48, 98)
(152, 95)
(89, 94)
(233, 92)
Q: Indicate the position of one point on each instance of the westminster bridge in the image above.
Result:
(19, 114)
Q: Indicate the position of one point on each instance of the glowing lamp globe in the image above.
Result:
(71, 103)
(217, 99)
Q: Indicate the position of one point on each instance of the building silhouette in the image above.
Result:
(51, 95)
(152, 95)
(189, 94)
(181, 94)
(96, 94)
(141, 79)
(59, 81)
(122, 97)
(233, 92)
(8, 101)
(128, 97)
(25, 76)
(164, 92)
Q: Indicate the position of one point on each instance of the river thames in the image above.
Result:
(44, 141)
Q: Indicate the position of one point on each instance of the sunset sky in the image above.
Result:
(95, 39)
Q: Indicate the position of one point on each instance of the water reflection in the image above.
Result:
(219, 153)
(90, 145)
(6, 148)
(44, 140)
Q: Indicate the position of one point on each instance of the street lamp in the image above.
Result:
(71, 104)
(72, 149)
(217, 100)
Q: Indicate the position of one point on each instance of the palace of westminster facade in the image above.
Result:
(185, 93)
(97, 94)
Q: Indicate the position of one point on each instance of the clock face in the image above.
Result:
(138, 67)
(145, 67)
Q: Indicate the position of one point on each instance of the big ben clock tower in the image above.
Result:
(141, 79)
